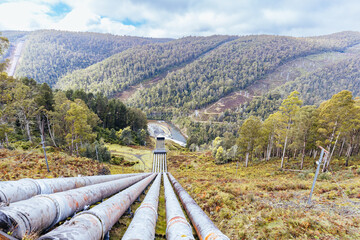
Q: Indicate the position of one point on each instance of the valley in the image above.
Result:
(168, 130)
(243, 118)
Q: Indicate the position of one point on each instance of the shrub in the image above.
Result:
(116, 160)
(96, 151)
(325, 176)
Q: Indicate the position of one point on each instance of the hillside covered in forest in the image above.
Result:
(50, 54)
(217, 77)
(138, 64)
(233, 66)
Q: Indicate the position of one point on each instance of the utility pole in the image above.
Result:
(317, 171)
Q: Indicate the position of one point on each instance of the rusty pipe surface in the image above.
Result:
(96, 222)
(43, 211)
(204, 227)
(144, 222)
(177, 227)
(13, 191)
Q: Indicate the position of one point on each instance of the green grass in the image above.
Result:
(140, 155)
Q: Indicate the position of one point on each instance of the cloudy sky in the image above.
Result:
(178, 18)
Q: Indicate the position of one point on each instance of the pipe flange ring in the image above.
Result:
(99, 218)
(57, 206)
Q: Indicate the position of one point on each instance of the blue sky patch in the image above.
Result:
(59, 9)
(129, 22)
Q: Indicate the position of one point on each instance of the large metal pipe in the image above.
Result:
(96, 222)
(204, 227)
(154, 162)
(43, 211)
(164, 159)
(13, 191)
(164, 162)
(177, 227)
(161, 162)
(158, 163)
(144, 222)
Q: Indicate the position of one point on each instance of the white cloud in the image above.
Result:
(177, 18)
(23, 16)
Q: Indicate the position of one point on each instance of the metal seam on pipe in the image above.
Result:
(37, 185)
(177, 227)
(46, 211)
(204, 227)
(144, 222)
(145, 205)
(57, 206)
(13, 191)
(102, 224)
(96, 222)
(173, 221)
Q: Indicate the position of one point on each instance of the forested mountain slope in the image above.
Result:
(328, 74)
(325, 82)
(138, 64)
(233, 66)
(50, 54)
(193, 73)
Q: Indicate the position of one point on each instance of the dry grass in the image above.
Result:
(18, 164)
(262, 202)
(258, 202)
